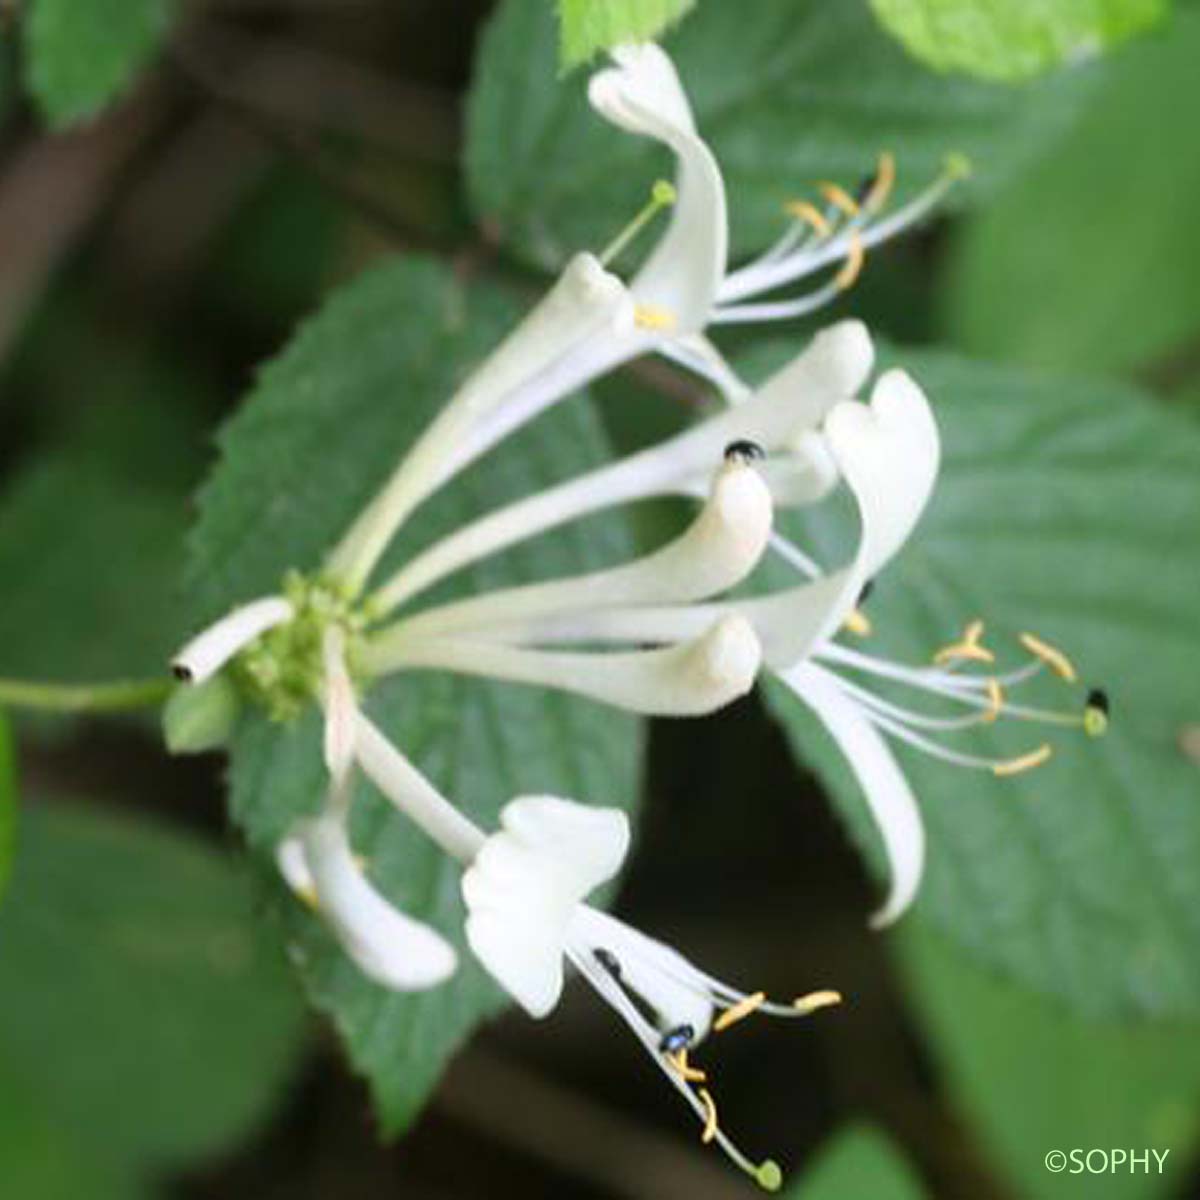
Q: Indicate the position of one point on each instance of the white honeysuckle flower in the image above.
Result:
(524, 888)
(680, 278)
(389, 947)
(887, 453)
(682, 286)
(319, 865)
(524, 892)
(780, 418)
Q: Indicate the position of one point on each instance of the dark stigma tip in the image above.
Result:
(745, 450)
(677, 1039)
(865, 594)
(608, 960)
(181, 673)
(1097, 698)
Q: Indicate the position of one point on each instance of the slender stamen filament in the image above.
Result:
(984, 695)
(662, 195)
(846, 231)
(606, 981)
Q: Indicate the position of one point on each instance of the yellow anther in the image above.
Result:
(1054, 658)
(687, 1072)
(308, 894)
(815, 1000)
(1026, 762)
(856, 255)
(858, 623)
(648, 316)
(740, 1011)
(882, 184)
(968, 646)
(839, 198)
(1095, 721)
(710, 1115)
(995, 695)
(810, 213)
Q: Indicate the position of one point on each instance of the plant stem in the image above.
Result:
(115, 696)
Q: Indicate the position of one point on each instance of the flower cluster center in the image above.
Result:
(282, 670)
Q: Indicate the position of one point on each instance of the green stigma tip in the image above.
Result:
(769, 1176)
(1095, 722)
(664, 193)
(958, 166)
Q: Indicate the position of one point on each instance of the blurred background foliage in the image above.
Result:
(184, 182)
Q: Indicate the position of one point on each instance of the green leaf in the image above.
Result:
(321, 431)
(8, 804)
(589, 26)
(1066, 507)
(1032, 1079)
(1089, 263)
(44, 1160)
(1013, 39)
(789, 93)
(89, 558)
(138, 1008)
(80, 57)
(858, 1162)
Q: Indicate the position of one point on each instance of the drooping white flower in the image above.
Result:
(524, 892)
(318, 863)
(525, 888)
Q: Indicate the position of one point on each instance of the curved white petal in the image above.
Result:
(887, 793)
(586, 303)
(888, 453)
(688, 679)
(652, 970)
(642, 95)
(717, 551)
(787, 624)
(526, 882)
(389, 947)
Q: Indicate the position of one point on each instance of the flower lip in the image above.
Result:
(526, 882)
